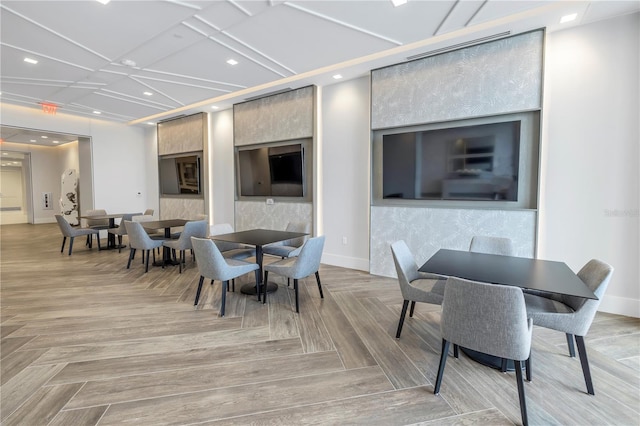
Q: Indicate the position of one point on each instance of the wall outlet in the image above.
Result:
(269, 201)
(344, 240)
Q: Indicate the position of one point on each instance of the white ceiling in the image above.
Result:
(179, 48)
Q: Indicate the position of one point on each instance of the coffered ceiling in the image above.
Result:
(142, 61)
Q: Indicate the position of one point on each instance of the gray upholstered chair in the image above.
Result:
(487, 318)
(573, 315)
(70, 232)
(149, 212)
(191, 229)
(228, 249)
(140, 240)
(492, 245)
(289, 248)
(121, 229)
(305, 264)
(415, 286)
(148, 218)
(212, 265)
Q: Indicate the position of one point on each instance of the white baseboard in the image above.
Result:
(44, 220)
(620, 306)
(345, 262)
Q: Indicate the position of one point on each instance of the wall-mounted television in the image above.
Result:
(273, 170)
(180, 174)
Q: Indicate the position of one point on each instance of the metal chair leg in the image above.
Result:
(521, 397)
(319, 284)
(199, 289)
(64, 240)
(572, 351)
(413, 306)
(582, 352)
(443, 362)
(402, 315)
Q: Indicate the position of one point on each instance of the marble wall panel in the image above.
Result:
(426, 230)
(186, 134)
(492, 78)
(181, 208)
(256, 214)
(285, 116)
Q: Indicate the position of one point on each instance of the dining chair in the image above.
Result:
(149, 212)
(212, 265)
(229, 249)
(70, 232)
(301, 266)
(573, 315)
(97, 223)
(292, 247)
(492, 245)
(415, 286)
(487, 318)
(121, 229)
(140, 240)
(191, 229)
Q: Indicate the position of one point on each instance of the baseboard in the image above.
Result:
(345, 262)
(44, 220)
(620, 306)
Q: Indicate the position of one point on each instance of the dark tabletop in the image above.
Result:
(535, 274)
(257, 237)
(166, 223)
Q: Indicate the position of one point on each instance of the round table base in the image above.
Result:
(251, 288)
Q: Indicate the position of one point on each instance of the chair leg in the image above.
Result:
(64, 240)
(582, 352)
(295, 288)
(89, 241)
(503, 365)
(413, 306)
(199, 289)
(443, 361)
(572, 351)
(119, 243)
(402, 315)
(456, 353)
(98, 240)
(523, 402)
(132, 253)
(146, 268)
(264, 285)
(143, 256)
(527, 367)
(181, 261)
(319, 284)
(71, 245)
(223, 302)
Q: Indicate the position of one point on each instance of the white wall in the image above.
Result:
(589, 201)
(221, 169)
(345, 173)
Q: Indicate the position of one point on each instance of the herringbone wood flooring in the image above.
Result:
(86, 341)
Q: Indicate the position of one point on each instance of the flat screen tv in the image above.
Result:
(180, 174)
(271, 171)
(478, 162)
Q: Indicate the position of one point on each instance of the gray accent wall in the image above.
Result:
(257, 214)
(493, 78)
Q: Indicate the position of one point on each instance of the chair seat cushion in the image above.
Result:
(427, 291)
(236, 268)
(550, 313)
(239, 254)
(282, 251)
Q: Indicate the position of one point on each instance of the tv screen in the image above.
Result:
(477, 162)
(271, 171)
(180, 175)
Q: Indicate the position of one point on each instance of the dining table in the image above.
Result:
(533, 274)
(111, 238)
(258, 238)
(165, 224)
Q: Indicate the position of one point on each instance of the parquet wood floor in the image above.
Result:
(84, 341)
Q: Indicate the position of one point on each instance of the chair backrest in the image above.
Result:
(223, 228)
(96, 222)
(308, 261)
(138, 237)
(596, 274)
(211, 263)
(148, 212)
(142, 218)
(297, 227)
(65, 227)
(406, 267)
(492, 245)
(487, 318)
(196, 229)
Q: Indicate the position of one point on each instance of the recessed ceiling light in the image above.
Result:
(568, 18)
(31, 61)
(337, 76)
(232, 62)
(56, 141)
(128, 62)
(44, 137)
(397, 3)
(151, 123)
(147, 93)
(97, 112)
(5, 153)
(32, 140)
(103, 1)
(215, 107)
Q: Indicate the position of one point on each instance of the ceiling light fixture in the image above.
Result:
(56, 141)
(44, 137)
(103, 1)
(32, 140)
(97, 112)
(568, 18)
(31, 61)
(5, 153)
(232, 62)
(215, 107)
(128, 63)
(151, 123)
(337, 76)
(397, 3)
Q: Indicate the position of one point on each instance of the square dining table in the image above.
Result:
(111, 238)
(165, 224)
(258, 238)
(535, 274)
